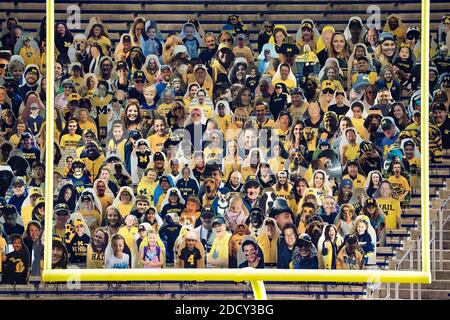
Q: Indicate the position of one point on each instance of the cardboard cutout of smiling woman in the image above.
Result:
(250, 254)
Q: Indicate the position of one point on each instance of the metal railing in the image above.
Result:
(442, 224)
(409, 254)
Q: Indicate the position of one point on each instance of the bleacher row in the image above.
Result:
(253, 13)
(212, 15)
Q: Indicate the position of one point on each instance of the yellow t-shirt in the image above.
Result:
(351, 152)
(93, 219)
(129, 235)
(27, 214)
(2, 251)
(157, 142)
(213, 154)
(245, 52)
(103, 41)
(69, 142)
(399, 185)
(359, 126)
(219, 248)
(231, 165)
(30, 55)
(119, 147)
(88, 125)
(223, 122)
(414, 162)
(106, 201)
(276, 164)
(247, 171)
(268, 247)
(358, 182)
(147, 189)
(392, 212)
(268, 123)
(94, 260)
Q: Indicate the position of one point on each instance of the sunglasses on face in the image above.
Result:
(3, 65)
(139, 81)
(117, 100)
(328, 91)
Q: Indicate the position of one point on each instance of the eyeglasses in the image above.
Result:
(114, 100)
(3, 65)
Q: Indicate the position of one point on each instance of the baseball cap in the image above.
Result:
(138, 75)
(251, 181)
(173, 192)
(200, 66)
(362, 58)
(40, 201)
(307, 24)
(304, 237)
(371, 202)
(279, 206)
(32, 69)
(18, 181)
(141, 228)
(141, 198)
(207, 213)
(112, 155)
(165, 66)
(164, 179)
(386, 124)
(384, 36)
(327, 84)
(158, 156)
(126, 37)
(73, 97)
(361, 80)
(196, 111)
(438, 106)
(346, 182)
(413, 32)
(121, 65)
(409, 143)
(297, 90)
(62, 209)
(289, 49)
(35, 191)
(241, 36)
(141, 143)
(135, 134)
(218, 220)
(179, 49)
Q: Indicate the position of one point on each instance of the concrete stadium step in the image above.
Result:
(427, 294)
(446, 254)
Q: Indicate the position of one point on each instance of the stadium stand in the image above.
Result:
(171, 15)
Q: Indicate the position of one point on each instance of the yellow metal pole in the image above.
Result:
(259, 291)
(49, 122)
(424, 138)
